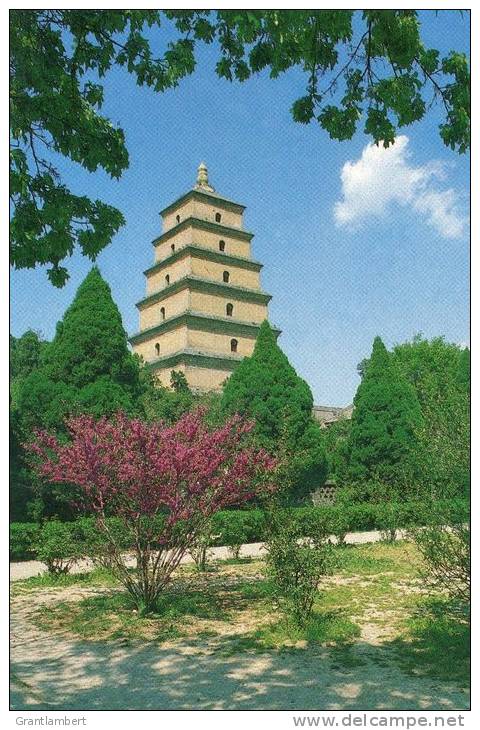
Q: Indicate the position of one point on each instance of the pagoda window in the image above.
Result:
(218, 217)
(233, 345)
(229, 310)
(173, 247)
(226, 277)
(157, 349)
(167, 279)
(221, 245)
(178, 219)
(162, 312)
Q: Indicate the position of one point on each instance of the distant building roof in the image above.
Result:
(329, 414)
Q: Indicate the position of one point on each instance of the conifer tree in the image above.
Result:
(87, 368)
(385, 420)
(90, 342)
(266, 388)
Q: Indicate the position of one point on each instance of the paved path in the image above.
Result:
(29, 568)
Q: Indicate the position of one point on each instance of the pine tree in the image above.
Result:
(90, 342)
(266, 388)
(385, 420)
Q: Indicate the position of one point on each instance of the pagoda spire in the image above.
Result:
(202, 179)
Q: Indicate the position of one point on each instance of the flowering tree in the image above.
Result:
(163, 482)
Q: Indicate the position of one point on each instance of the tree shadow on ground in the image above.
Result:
(232, 671)
(439, 646)
(75, 675)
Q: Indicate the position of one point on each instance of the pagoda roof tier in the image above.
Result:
(206, 226)
(206, 196)
(197, 283)
(209, 254)
(200, 321)
(195, 357)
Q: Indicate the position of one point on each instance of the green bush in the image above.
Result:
(295, 569)
(235, 528)
(95, 542)
(199, 550)
(23, 537)
(384, 516)
(60, 545)
(444, 544)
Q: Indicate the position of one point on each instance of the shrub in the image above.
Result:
(295, 570)
(384, 516)
(23, 538)
(445, 548)
(239, 526)
(59, 546)
(339, 523)
(163, 482)
(235, 528)
(389, 519)
(100, 544)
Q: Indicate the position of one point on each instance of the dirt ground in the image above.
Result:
(56, 671)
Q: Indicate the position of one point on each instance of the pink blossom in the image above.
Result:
(132, 469)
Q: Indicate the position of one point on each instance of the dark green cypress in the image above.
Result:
(265, 387)
(385, 420)
(90, 342)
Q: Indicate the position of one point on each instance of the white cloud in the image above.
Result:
(384, 178)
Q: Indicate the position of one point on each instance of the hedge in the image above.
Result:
(23, 539)
(236, 527)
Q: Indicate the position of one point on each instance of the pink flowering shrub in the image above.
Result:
(163, 482)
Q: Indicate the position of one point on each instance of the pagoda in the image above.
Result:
(204, 304)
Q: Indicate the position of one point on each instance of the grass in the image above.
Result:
(322, 628)
(398, 558)
(374, 586)
(96, 577)
(435, 642)
(194, 606)
(105, 617)
(285, 635)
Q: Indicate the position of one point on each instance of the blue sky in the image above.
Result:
(379, 246)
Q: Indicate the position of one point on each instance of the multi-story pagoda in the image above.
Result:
(204, 303)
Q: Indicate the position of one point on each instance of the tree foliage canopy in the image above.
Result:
(87, 367)
(266, 388)
(385, 419)
(368, 67)
(431, 366)
(164, 404)
(140, 472)
(440, 373)
(25, 354)
(90, 341)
